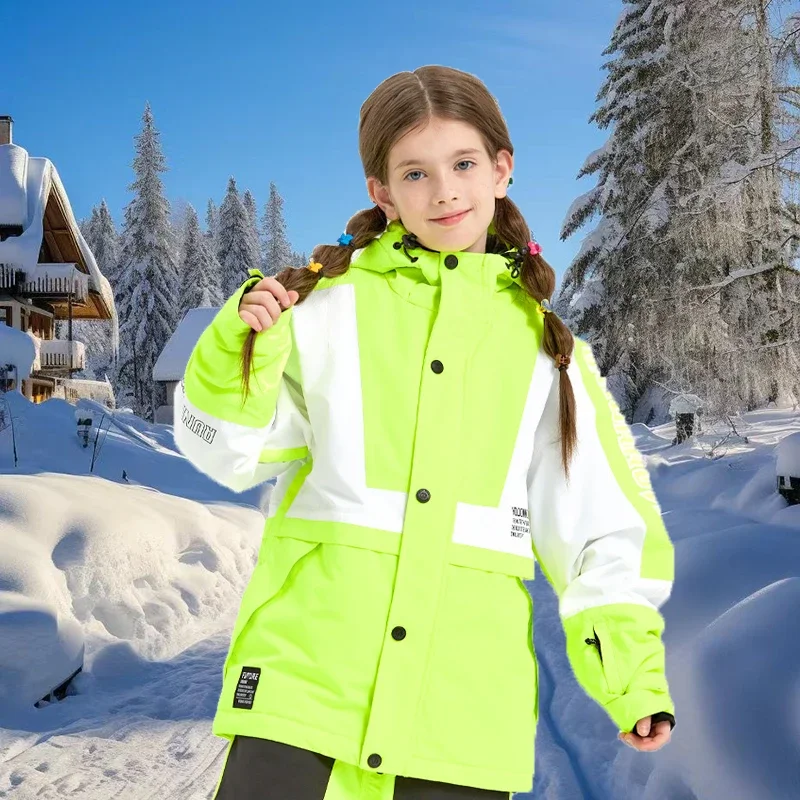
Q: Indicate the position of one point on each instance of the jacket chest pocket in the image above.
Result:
(608, 658)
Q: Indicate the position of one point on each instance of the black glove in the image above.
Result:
(659, 717)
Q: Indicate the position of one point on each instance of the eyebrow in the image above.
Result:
(457, 153)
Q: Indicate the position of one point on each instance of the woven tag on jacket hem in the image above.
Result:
(246, 688)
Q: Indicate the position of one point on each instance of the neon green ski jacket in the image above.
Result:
(410, 416)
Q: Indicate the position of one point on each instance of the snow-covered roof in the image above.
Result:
(787, 451)
(25, 187)
(685, 404)
(171, 364)
(17, 348)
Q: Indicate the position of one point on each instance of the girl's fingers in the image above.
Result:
(272, 307)
(251, 319)
(261, 308)
(265, 307)
(646, 743)
(271, 286)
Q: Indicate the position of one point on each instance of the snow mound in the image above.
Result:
(87, 558)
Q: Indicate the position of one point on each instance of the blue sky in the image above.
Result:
(271, 92)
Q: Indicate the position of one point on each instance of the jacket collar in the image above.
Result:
(396, 249)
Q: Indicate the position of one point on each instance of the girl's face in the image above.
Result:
(429, 177)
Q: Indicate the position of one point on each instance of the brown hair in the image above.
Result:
(403, 102)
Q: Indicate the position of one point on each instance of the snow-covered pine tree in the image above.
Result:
(735, 218)
(106, 244)
(177, 222)
(678, 219)
(199, 269)
(603, 296)
(147, 277)
(276, 252)
(87, 224)
(101, 236)
(212, 221)
(249, 203)
(254, 242)
(234, 242)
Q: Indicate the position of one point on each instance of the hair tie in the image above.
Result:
(344, 240)
(562, 361)
(534, 248)
(544, 307)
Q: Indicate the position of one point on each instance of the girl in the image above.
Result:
(411, 390)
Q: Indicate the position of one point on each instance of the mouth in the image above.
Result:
(452, 219)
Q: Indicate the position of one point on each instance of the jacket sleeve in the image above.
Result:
(601, 542)
(238, 444)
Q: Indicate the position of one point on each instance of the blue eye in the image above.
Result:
(417, 170)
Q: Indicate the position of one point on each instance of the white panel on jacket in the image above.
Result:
(229, 453)
(587, 534)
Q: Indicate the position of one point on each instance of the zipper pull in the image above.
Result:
(595, 641)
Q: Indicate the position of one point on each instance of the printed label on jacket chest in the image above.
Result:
(520, 524)
(246, 688)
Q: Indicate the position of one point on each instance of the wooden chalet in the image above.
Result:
(47, 271)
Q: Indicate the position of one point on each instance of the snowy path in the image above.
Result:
(150, 740)
(152, 583)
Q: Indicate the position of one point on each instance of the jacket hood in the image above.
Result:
(398, 250)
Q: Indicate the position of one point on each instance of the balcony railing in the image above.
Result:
(62, 354)
(47, 280)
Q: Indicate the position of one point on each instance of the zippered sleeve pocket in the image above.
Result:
(607, 657)
(617, 655)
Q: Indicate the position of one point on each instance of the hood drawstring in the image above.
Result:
(514, 257)
(408, 242)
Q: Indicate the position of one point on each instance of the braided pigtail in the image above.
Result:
(328, 261)
(539, 279)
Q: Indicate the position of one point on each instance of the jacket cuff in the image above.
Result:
(617, 655)
(232, 330)
(663, 716)
(625, 711)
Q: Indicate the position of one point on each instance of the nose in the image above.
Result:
(443, 190)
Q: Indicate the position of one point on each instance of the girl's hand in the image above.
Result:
(261, 307)
(650, 737)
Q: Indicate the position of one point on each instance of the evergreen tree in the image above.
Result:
(249, 203)
(100, 338)
(87, 224)
(690, 217)
(147, 283)
(199, 269)
(277, 254)
(234, 244)
(212, 222)
(254, 244)
(177, 221)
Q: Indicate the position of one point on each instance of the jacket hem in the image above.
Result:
(227, 724)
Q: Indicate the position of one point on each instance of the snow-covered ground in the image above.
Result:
(139, 579)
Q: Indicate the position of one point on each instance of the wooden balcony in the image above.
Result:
(53, 282)
(61, 354)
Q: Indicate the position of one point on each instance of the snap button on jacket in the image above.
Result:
(410, 418)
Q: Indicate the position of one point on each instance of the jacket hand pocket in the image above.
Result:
(280, 559)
